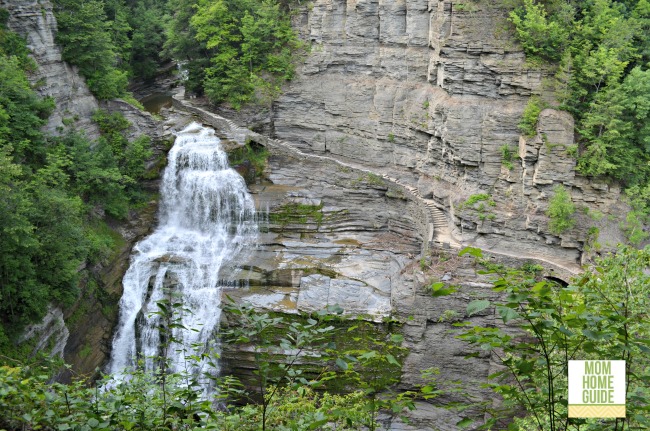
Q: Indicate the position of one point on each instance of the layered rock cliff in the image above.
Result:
(431, 92)
(34, 20)
(339, 233)
(403, 105)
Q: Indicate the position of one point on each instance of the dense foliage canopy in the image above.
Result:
(111, 41)
(235, 51)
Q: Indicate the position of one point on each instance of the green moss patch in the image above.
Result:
(295, 213)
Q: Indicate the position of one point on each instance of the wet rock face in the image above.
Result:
(35, 21)
(332, 236)
(434, 90)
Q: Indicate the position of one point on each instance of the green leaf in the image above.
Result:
(644, 349)
(538, 286)
(472, 251)
(477, 306)
(391, 359)
(439, 289)
(368, 355)
(507, 314)
(594, 335)
(464, 423)
(341, 364)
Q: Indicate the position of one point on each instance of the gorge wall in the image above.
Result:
(431, 91)
(338, 233)
(428, 93)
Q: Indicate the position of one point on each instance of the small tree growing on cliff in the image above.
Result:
(560, 210)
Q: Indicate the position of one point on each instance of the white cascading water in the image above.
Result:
(207, 220)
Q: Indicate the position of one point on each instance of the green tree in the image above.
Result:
(120, 28)
(12, 45)
(181, 44)
(93, 173)
(84, 33)
(17, 245)
(22, 113)
(252, 44)
(618, 131)
(130, 155)
(297, 341)
(373, 366)
(560, 211)
(633, 226)
(529, 119)
(147, 39)
(540, 36)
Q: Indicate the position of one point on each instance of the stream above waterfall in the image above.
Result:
(172, 290)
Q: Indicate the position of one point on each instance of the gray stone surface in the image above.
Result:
(50, 335)
(35, 21)
(430, 92)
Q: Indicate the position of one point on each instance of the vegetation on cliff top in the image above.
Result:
(235, 51)
(112, 41)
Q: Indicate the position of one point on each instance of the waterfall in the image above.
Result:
(207, 222)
